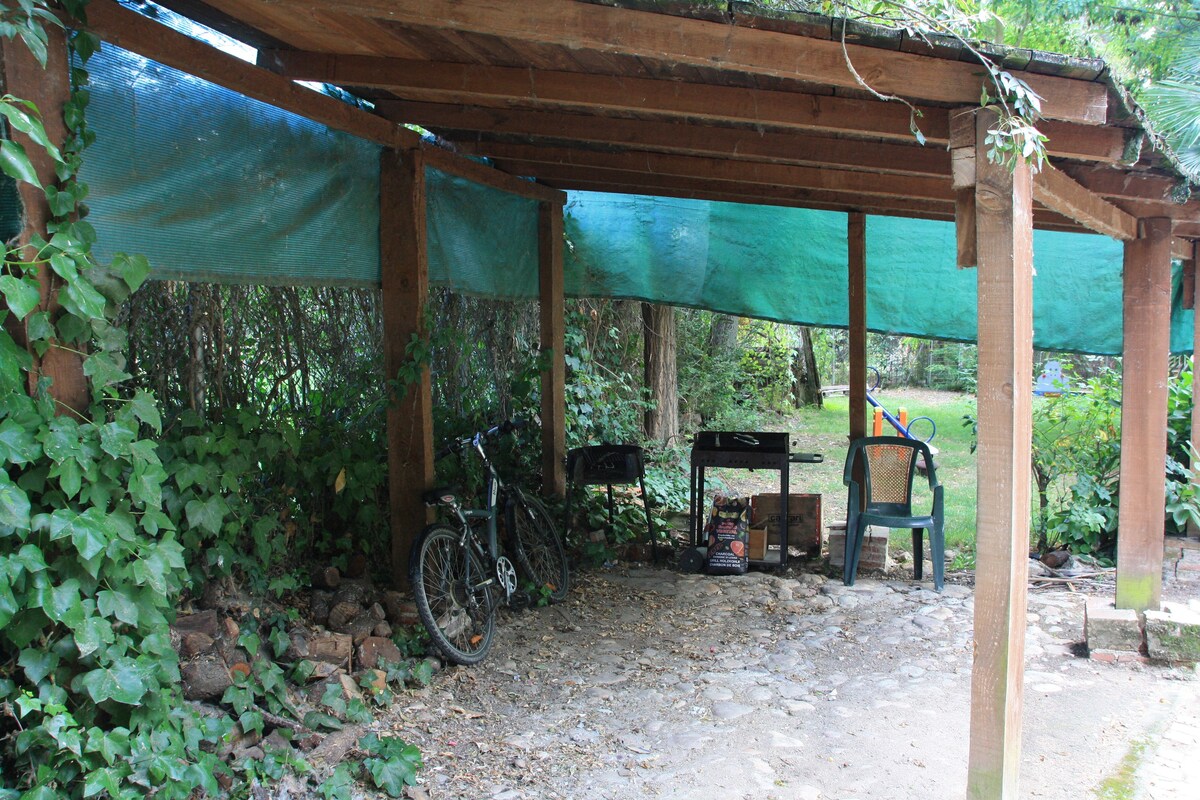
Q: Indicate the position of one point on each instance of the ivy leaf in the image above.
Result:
(88, 302)
(22, 295)
(31, 558)
(103, 369)
(62, 603)
(315, 720)
(13, 359)
(393, 774)
(146, 409)
(94, 632)
(89, 531)
(15, 163)
(17, 445)
(31, 127)
(8, 602)
(37, 664)
(14, 506)
(70, 477)
(207, 514)
(117, 605)
(133, 269)
(121, 682)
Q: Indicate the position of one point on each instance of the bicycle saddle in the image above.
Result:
(441, 496)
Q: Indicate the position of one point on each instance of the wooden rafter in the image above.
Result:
(595, 28)
(511, 87)
(676, 137)
(1056, 190)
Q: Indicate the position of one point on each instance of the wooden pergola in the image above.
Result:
(725, 102)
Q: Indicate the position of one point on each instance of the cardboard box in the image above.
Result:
(804, 522)
(756, 547)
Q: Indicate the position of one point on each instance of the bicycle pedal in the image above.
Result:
(520, 601)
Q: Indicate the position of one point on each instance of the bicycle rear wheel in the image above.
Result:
(537, 546)
(453, 593)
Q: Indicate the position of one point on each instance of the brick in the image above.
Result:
(1109, 628)
(1117, 657)
(874, 551)
(1173, 634)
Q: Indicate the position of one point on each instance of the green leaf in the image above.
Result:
(22, 295)
(315, 720)
(145, 407)
(121, 682)
(70, 477)
(103, 369)
(31, 127)
(133, 269)
(30, 558)
(13, 359)
(14, 505)
(93, 633)
(84, 298)
(17, 445)
(89, 531)
(15, 163)
(393, 774)
(117, 605)
(63, 604)
(207, 514)
(37, 664)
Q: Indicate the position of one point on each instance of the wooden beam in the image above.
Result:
(698, 43)
(1147, 348)
(856, 244)
(553, 342)
(148, 38)
(963, 180)
(673, 137)
(404, 269)
(488, 176)
(1127, 185)
(1056, 190)
(1004, 205)
(1183, 249)
(557, 161)
(662, 100)
(21, 75)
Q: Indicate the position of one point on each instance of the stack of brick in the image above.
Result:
(874, 550)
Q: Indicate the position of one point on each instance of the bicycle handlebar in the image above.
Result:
(455, 446)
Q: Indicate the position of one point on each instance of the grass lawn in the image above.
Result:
(824, 431)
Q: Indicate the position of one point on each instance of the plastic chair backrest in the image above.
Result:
(890, 467)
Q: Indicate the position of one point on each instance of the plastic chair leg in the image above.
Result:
(848, 549)
(937, 551)
(918, 537)
(853, 551)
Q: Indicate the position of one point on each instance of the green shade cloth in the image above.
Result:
(212, 186)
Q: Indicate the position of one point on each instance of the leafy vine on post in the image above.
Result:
(89, 697)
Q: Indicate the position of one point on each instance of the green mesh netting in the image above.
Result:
(212, 186)
(788, 265)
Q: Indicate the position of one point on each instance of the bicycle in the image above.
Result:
(457, 571)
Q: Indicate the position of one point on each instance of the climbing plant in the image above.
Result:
(91, 565)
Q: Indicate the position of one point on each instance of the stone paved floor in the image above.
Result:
(647, 683)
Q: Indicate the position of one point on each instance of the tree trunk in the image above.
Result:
(806, 383)
(662, 421)
(722, 337)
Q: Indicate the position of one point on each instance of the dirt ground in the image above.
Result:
(651, 683)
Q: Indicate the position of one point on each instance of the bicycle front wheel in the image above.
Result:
(537, 546)
(453, 593)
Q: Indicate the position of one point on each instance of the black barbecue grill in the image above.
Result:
(743, 450)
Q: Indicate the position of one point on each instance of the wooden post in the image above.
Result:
(554, 435)
(1004, 237)
(856, 241)
(856, 245)
(660, 423)
(1140, 521)
(48, 87)
(404, 270)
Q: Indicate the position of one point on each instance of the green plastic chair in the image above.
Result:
(889, 466)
